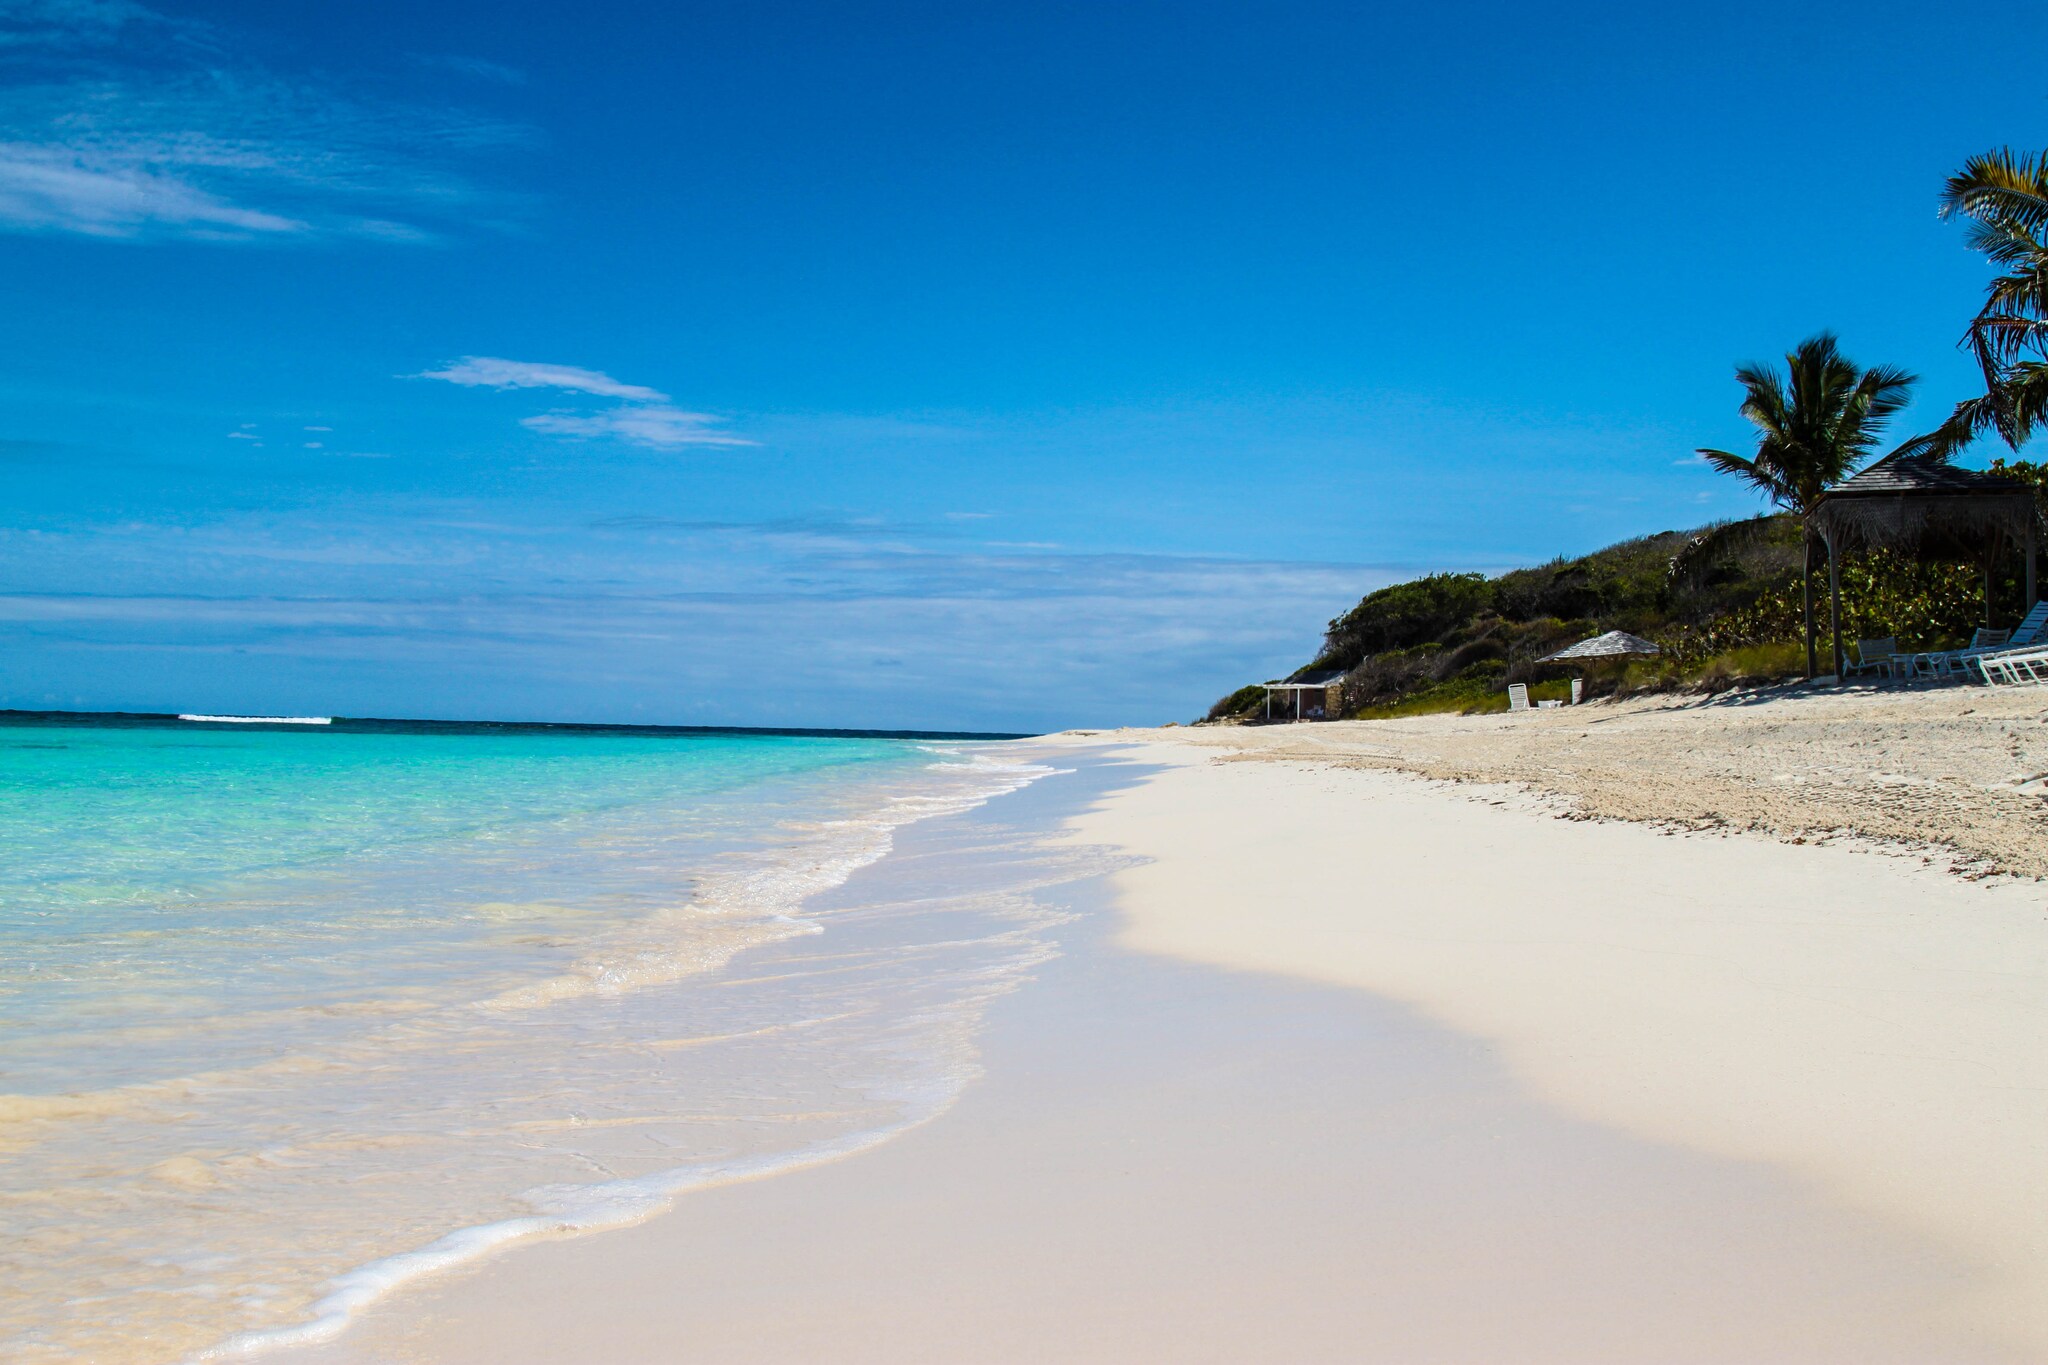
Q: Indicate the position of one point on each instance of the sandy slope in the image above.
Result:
(1965, 767)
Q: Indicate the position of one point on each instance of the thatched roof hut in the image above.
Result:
(1923, 506)
(1916, 504)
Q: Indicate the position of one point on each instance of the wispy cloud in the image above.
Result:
(119, 122)
(646, 417)
(657, 426)
(493, 372)
(66, 23)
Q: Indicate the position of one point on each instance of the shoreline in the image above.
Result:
(574, 1211)
(1165, 988)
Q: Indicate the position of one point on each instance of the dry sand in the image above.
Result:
(1875, 1024)
(1962, 767)
(1383, 1069)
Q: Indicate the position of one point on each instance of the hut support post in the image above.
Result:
(1990, 560)
(1835, 608)
(2027, 572)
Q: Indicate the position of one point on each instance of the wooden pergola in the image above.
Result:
(1922, 506)
(1319, 680)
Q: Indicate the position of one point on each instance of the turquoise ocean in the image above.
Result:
(291, 1013)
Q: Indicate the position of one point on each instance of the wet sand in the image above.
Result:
(1184, 1150)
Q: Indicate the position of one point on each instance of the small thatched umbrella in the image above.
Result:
(1920, 505)
(1613, 645)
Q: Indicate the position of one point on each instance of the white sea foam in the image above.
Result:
(259, 720)
(759, 902)
(560, 1210)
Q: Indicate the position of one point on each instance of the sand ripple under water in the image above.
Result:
(318, 1079)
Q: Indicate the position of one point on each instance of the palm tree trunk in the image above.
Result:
(1806, 602)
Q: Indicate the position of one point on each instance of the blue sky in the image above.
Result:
(905, 365)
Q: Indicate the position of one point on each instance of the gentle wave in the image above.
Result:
(563, 1210)
(771, 895)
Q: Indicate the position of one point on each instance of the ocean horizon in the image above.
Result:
(430, 725)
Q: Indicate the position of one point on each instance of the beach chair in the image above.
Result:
(1518, 696)
(2015, 666)
(1940, 663)
(1874, 656)
(2030, 634)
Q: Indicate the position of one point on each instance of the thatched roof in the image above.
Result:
(1612, 645)
(1912, 502)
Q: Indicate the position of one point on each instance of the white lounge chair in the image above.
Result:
(1939, 663)
(2030, 634)
(1874, 656)
(1518, 696)
(2016, 666)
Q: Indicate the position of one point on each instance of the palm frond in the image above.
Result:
(1816, 420)
(1973, 417)
(2003, 243)
(2004, 195)
(1765, 404)
(1927, 446)
(1763, 475)
(2001, 186)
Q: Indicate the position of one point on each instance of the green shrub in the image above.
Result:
(1238, 703)
(1452, 642)
(1404, 616)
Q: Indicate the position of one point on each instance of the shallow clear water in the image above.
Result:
(278, 1007)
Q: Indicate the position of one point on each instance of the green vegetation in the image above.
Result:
(1733, 602)
(1453, 642)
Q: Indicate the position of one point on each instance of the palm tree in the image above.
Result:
(1815, 423)
(2005, 196)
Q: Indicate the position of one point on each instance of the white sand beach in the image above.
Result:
(1347, 1063)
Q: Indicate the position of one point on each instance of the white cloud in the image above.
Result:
(243, 436)
(493, 372)
(101, 196)
(117, 122)
(657, 425)
(645, 417)
(314, 445)
(318, 428)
